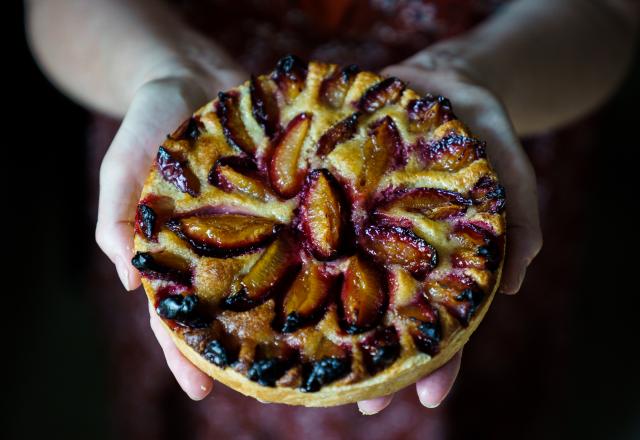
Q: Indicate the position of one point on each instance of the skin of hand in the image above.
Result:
(482, 111)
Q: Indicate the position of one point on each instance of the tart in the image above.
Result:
(320, 235)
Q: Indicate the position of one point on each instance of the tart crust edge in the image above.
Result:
(397, 376)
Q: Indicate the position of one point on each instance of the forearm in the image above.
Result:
(100, 51)
(550, 61)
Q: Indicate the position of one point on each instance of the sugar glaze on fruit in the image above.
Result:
(318, 225)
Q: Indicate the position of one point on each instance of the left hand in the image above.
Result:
(482, 111)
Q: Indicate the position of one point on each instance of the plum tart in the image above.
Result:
(320, 235)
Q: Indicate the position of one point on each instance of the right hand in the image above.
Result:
(158, 107)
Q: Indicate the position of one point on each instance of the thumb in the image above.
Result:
(158, 107)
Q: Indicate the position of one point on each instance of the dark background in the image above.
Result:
(58, 378)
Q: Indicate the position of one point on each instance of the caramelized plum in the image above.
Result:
(224, 235)
(452, 153)
(264, 106)
(436, 204)
(339, 133)
(217, 354)
(146, 221)
(383, 93)
(285, 173)
(393, 245)
(182, 310)
(459, 294)
(427, 113)
(267, 371)
(278, 260)
(363, 296)
(380, 149)
(488, 195)
(325, 371)
(322, 215)
(306, 297)
(381, 349)
(290, 75)
(150, 267)
(177, 173)
(232, 174)
(480, 248)
(427, 337)
(228, 111)
(334, 88)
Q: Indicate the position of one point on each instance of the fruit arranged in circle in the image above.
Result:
(320, 235)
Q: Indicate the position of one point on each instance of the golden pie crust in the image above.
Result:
(424, 215)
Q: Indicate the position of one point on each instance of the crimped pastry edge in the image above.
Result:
(399, 375)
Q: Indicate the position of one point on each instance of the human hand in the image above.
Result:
(482, 111)
(158, 105)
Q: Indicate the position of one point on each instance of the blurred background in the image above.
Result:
(558, 360)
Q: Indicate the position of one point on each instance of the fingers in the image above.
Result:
(119, 189)
(434, 388)
(193, 382)
(373, 406)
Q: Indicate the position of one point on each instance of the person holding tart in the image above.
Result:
(315, 233)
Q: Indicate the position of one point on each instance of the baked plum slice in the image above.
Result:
(363, 296)
(270, 363)
(488, 195)
(427, 336)
(264, 105)
(480, 248)
(436, 204)
(279, 260)
(183, 310)
(452, 153)
(176, 172)
(392, 245)
(379, 151)
(429, 112)
(235, 174)
(224, 235)
(285, 173)
(146, 221)
(188, 130)
(381, 349)
(162, 266)
(383, 93)
(459, 294)
(228, 112)
(323, 372)
(306, 297)
(337, 134)
(267, 371)
(334, 88)
(322, 215)
(290, 75)
(409, 301)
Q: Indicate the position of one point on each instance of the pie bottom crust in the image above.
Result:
(405, 371)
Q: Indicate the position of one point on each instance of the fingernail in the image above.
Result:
(123, 272)
(365, 413)
(422, 396)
